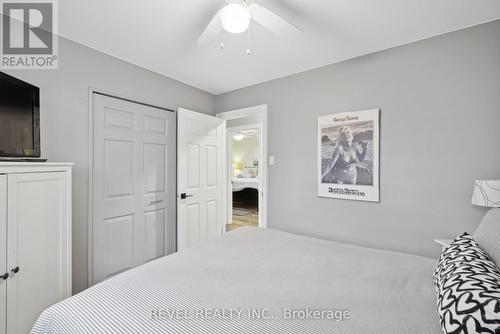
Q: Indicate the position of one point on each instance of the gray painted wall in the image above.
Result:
(440, 117)
(440, 114)
(64, 117)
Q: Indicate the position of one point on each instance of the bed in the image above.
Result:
(240, 183)
(264, 271)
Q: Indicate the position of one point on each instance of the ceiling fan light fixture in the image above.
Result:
(235, 18)
(238, 136)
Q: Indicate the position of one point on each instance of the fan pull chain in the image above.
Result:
(222, 46)
(225, 2)
(249, 52)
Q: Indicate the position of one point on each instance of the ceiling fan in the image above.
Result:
(235, 17)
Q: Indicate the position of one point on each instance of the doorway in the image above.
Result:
(244, 154)
(245, 193)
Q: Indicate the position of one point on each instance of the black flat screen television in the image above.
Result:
(19, 118)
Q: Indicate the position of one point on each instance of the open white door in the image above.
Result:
(199, 177)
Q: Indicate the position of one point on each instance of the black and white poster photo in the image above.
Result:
(348, 146)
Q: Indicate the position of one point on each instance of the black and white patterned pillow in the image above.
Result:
(467, 283)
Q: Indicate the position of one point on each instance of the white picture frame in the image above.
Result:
(348, 155)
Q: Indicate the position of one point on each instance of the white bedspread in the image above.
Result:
(240, 183)
(385, 292)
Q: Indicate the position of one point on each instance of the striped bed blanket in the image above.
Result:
(258, 281)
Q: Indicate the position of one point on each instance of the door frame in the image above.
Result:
(256, 111)
(90, 199)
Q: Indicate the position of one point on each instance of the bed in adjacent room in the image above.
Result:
(266, 272)
(240, 183)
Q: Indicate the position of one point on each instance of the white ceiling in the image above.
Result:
(161, 35)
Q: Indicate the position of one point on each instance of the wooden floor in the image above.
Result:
(250, 219)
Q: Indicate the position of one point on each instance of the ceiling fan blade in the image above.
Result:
(271, 21)
(211, 31)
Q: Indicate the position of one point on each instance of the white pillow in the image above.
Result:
(487, 235)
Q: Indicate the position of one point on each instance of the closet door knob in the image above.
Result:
(5, 276)
(15, 270)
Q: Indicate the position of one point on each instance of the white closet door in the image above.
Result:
(133, 198)
(158, 181)
(38, 253)
(199, 177)
(3, 252)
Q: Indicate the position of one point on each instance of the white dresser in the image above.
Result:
(35, 241)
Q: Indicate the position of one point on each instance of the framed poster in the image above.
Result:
(348, 155)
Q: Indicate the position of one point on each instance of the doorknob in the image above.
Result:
(5, 276)
(15, 270)
(184, 195)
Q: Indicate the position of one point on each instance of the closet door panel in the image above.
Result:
(3, 252)
(116, 188)
(155, 242)
(133, 185)
(37, 231)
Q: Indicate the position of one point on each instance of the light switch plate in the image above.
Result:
(271, 160)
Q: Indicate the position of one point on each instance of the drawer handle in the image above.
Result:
(5, 276)
(155, 202)
(15, 270)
